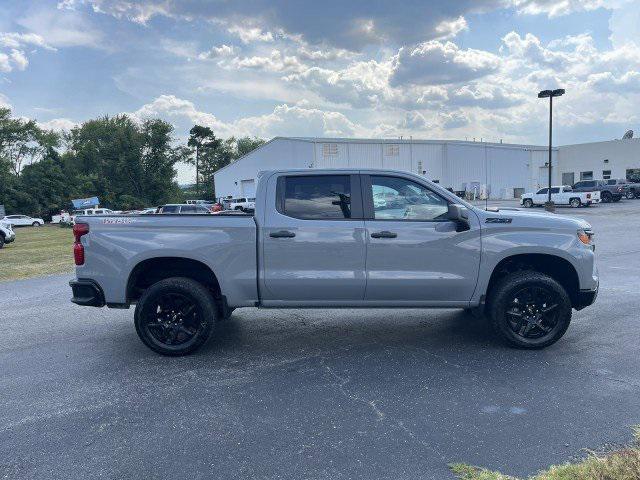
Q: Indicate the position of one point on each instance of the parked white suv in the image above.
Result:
(23, 220)
(7, 235)
(560, 195)
(243, 204)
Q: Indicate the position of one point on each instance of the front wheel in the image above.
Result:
(35, 224)
(527, 202)
(607, 197)
(574, 202)
(529, 310)
(175, 316)
(630, 195)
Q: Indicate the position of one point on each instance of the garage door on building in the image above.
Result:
(248, 188)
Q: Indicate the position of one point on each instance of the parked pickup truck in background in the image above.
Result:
(608, 193)
(629, 188)
(560, 195)
(319, 239)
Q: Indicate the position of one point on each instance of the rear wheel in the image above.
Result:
(529, 310)
(574, 202)
(527, 202)
(607, 197)
(175, 316)
(35, 224)
(630, 195)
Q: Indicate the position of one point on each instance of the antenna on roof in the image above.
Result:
(628, 135)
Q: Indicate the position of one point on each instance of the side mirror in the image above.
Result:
(460, 215)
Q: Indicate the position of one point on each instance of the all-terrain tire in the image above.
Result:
(194, 293)
(527, 203)
(500, 300)
(575, 202)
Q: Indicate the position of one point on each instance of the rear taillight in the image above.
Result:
(79, 229)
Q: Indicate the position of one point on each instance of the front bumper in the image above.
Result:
(87, 293)
(586, 298)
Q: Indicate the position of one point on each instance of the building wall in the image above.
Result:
(590, 157)
(452, 164)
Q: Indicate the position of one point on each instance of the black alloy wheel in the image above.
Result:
(175, 316)
(529, 309)
(175, 320)
(533, 312)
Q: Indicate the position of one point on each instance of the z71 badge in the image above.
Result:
(498, 220)
(117, 221)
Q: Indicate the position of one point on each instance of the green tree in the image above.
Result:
(205, 143)
(246, 144)
(125, 164)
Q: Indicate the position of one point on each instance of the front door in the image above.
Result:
(415, 255)
(314, 240)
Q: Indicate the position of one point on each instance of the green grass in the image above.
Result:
(622, 464)
(37, 251)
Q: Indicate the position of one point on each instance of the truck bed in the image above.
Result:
(116, 244)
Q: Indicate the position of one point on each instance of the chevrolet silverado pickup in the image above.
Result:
(560, 195)
(339, 239)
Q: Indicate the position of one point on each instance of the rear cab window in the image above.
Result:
(315, 197)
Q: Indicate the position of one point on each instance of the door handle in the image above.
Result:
(384, 234)
(282, 234)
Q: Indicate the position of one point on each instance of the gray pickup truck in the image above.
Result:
(338, 238)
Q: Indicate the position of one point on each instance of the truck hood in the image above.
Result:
(528, 219)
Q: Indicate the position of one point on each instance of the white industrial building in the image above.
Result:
(503, 170)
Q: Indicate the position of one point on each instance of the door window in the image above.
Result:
(188, 209)
(170, 209)
(555, 190)
(396, 198)
(542, 191)
(317, 197)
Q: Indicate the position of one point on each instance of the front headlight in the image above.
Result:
(586, 236)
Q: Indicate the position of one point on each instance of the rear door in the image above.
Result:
(541, 196)
(313, 239)
(415, 255)
(556, 195)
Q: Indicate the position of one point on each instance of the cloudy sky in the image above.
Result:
(428, 69)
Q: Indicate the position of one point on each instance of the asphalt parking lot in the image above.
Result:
(317, 393)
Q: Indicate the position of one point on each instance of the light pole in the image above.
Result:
(549, 206)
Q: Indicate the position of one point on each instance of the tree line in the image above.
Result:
(125, 163)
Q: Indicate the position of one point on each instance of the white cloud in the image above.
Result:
(275, 62)
(63, 28)
(218, 52)
(171, 107)
(12, 49)
(250, 34)
(4, 101)
(450, 28)
(413, 120)
(284, 120)
(434, 62)
(58, 124)
(556, 8)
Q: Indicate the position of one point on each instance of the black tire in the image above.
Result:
(1, 241)
(607, 197)
(630, 195)
(575, 202)
(35, 224)
(616, 199)
(527, 203)
(175, 316)
(520, 322)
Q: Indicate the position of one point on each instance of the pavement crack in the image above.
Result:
(342, 382)
(380, 415)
